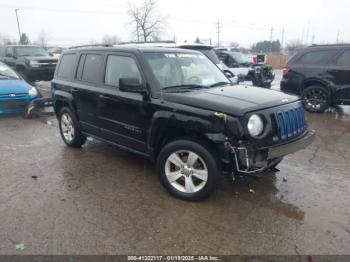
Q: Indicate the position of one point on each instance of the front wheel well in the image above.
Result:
(172, 133)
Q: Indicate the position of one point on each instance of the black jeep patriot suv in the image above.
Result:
(177, 108)
(321, 75)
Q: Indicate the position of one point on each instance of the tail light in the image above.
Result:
(285, 71)
(255, 59)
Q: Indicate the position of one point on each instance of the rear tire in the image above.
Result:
(69, 128)
(188, 169)
(316, 99)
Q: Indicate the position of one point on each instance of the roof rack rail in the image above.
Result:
(93, 45)
(320, 45)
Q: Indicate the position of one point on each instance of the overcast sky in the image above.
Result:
(71, 22)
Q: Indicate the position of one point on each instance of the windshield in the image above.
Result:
(31, 51)
(174, 70)
(7, 73)
(239, 57)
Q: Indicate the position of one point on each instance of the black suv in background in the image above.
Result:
(321, 75)
(33, 63)
(178, 109)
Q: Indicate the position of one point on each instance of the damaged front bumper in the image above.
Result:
(39, 106)
(250, 160)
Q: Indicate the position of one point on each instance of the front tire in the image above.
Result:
(69, 128)
(187, 169)
(316, 99)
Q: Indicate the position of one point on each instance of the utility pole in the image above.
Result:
(338, 37)
(307, 33)
(218, 24)
(19, 29)
(282, 39)
(271, 37)
(313, 38)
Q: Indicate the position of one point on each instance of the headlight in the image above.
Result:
(255, 125)
(34, 63)
(32, 91)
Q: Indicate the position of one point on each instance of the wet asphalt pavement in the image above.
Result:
(101, 200)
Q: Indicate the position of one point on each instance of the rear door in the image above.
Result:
(339, 73)
(311, 65)
(123, 115)
(86, 90)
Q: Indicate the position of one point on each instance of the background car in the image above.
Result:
(33, 63)
(321, 75)
(209, 52)
(55, 51)
(261, 75)
(15, 93)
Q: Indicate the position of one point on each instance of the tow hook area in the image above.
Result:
(39, 107)
(243, 162)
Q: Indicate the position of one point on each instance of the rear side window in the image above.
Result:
(317, 57)
(91, 69)
(120, 67)
(344, 59)
(66, 66)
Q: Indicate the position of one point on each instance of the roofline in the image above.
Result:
(316, 45)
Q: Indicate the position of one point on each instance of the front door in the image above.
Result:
(340, 75)
(122, 115)
(10, 57)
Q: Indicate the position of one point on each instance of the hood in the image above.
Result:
(45, 59)
(13, 87)
(233, 100)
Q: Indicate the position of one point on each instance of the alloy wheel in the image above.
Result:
(67, 127)
(186, 171)
(315, 99)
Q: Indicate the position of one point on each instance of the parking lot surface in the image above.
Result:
(101, 200)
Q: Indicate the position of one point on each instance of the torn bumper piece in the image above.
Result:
(40, 106)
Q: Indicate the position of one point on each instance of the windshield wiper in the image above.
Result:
(189, 86)
(219, 84)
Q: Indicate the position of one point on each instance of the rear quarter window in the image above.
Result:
(67, 66)
(320, 57)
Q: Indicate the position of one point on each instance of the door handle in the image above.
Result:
(105, 97)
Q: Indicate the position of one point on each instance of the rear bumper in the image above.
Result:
(40, 73)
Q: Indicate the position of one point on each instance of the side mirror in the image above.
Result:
(130, 85)
(228, 73)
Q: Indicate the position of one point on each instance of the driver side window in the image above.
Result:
(9, 52)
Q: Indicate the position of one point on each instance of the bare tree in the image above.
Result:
(110, 40)
(24, 39)
(6, 40)
(234, 45)
(294, 45)
(147, 22)
(43, 39)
